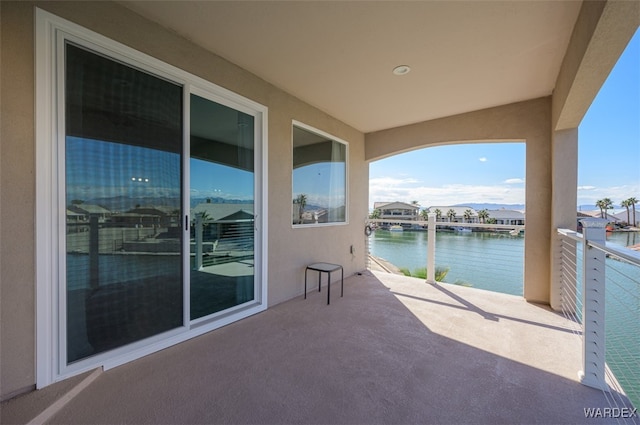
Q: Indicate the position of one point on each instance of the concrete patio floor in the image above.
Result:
(394, 350)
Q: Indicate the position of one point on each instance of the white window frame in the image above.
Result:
(311, 129)
(51, 33)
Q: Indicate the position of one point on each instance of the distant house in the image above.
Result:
(135, 219)
(503, 216)
(74, 217)
(218, 211)
(459, 214)
(88, 210)
(164, 216)
(613, 218)
(224, 221)
(397, 211)
(621, 217)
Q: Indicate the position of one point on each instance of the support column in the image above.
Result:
(564, 169)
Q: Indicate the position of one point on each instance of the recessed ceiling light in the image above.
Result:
(401, 70)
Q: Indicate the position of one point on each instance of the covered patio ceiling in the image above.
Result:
(339, 55)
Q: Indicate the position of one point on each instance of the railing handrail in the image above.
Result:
(609, 248)
(571, 234)
(618, 251)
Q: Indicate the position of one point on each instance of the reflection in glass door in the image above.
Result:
(222, 207)
(122, 150)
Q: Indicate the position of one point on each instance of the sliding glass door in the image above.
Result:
(222, 207)
(142, 258)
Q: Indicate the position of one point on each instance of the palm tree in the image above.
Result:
(604, 204)
(467, 215)
(632, 202)
(415, 204)
(483, 215)
(302, 201)
(600, 204)
(438, 214)
(626, 204)
(375, 214)
(424, 214)
(451, 214)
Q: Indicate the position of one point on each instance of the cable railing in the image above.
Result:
(600, 292)
(571, 277)
(480, 255)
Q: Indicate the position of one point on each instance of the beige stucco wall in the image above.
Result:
(529, 122)
(601, 33)
(289, 249)
(17, 197)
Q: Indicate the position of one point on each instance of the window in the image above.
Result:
(150, 189)
(319, 178)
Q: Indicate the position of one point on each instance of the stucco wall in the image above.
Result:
(289, 249)
(17, 197)
(529, 122)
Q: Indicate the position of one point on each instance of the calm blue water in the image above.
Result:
(495, 262)
(492, 261)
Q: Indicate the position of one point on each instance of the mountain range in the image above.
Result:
(490, 206)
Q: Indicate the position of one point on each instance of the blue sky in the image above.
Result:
(210, 180)
(608, 156)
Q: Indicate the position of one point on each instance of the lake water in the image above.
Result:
(494, 261)
(484, 260)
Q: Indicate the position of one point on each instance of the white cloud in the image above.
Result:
(511, 191)
(406, 190)
(391, 181)
(483, 159)
(588, 195)
(514, 181)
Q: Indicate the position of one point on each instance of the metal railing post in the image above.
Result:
(431, 248)
(593, 311)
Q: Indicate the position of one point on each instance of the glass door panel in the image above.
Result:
(222, 207)
(123, 150)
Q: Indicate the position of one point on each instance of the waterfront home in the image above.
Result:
(504, 216)
(95, 94)
(88, 210)
(622, 217)
(397, 211)
(218, 211)
(455, 214)
(613, 218)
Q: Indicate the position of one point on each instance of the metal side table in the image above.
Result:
(324, 268)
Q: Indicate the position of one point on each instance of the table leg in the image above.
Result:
(305, 283)
(329, 289)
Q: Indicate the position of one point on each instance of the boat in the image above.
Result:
(462, 229)
(396, 228)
